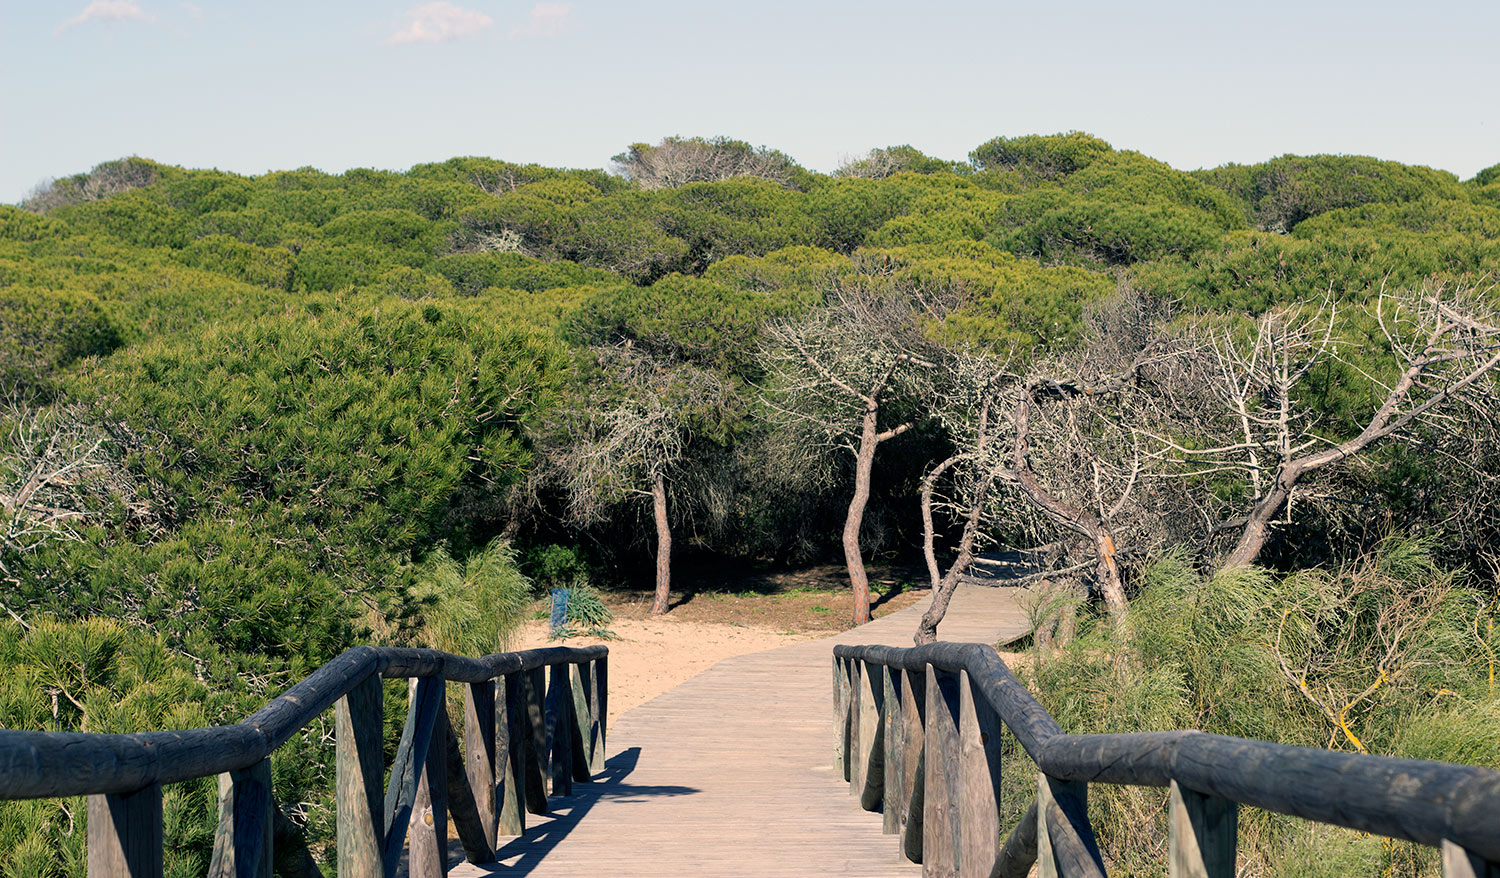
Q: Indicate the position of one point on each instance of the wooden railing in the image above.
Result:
(523, 736)
(917, 735)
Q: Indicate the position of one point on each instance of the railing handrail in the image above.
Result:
(1416, 800)
(51, 764)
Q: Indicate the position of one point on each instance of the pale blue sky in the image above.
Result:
(252, 87)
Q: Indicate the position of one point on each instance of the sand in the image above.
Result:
(649, 656)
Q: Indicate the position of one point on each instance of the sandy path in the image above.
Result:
(650, 656)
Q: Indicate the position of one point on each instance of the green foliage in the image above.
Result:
(1288, 659)
(43, 331)
(881, 163)
(1487, 176)
(586, 614)
(137, 217)
(1119, 209)
(554, 566)
(473, 608)
(1280, 193)
(1047, 157)
(471, 273)
(1005, 303)
(263, 266)
(685, 318)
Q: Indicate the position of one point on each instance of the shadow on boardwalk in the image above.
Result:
(519, 856)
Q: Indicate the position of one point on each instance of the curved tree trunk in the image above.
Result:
(663, 544)
(864, 465)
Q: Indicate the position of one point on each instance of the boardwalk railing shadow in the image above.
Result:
(541, 838)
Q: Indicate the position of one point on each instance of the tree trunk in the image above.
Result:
(1258, 525)
(864, 465)
(1110, 584)
(663, 544)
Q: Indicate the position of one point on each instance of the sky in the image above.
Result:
(252, 87)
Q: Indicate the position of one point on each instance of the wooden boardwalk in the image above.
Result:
(731, 773)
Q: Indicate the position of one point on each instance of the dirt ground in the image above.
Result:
(711, 622)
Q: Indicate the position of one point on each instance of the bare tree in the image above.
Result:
(57, 472)
(630, 433)
(1247, 397)
(677, 161)
(853, 374)
(106, 179)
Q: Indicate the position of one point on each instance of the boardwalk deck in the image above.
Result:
(731, 773)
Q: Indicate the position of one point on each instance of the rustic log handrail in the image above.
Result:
(934, 705)
(522, 739)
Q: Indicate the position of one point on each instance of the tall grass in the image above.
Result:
(1391, 655)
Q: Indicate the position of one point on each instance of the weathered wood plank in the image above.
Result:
(427, 832)
(854, 756)
(409, 768)
(243, 841)
(913, 780)
(979, 792)
(479, 766)
(940, 830)
(463, 807)
(536, 763)
(1019, 853)
(1459, 863)
(560, 731)
(841, 696)
(872, 736)
(358, 720)
(124, 832)
(597, 718)
(1202, 835)
(510, 775)
(1065, 840)
(579, 722)
(893, 748)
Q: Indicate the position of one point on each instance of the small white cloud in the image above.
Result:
(439, 23)
(105, 10)
(546, 20)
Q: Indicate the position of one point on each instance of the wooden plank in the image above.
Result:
(536, 762)
(854, 756)
(579, 684)
(872, 736)
(510, 774)
(601, 685)
(892, 747)
(479, 762)
(358, 720)
(841, 694)
(979, 794)
(913, 781)
(1065, 840)
(463, 808)
(427, 832)
(409, 769)
(1459, 863)
(560, 731)
(944, 781)
(124, 834)
(243, 842)
(597, 719)
(1046, 858)
(1202, 835)
(1019, 853)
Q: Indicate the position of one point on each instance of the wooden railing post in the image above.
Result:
(535, 763)
(841, 694)
(125, 834)
(913, 778)
(243, 842)
(893, 748)
(600, 711)
(854, 758)
(480, 753)
(579, 682)
(943, 782)
(979, 796)
(1459, 863)
(405, 801)
(1065, 845)
(512, 749)
(358, 720)
(427, 835)
(871, 790)
(559, 731)
(1202, 833)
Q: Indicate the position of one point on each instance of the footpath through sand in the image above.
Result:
(731, 772)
